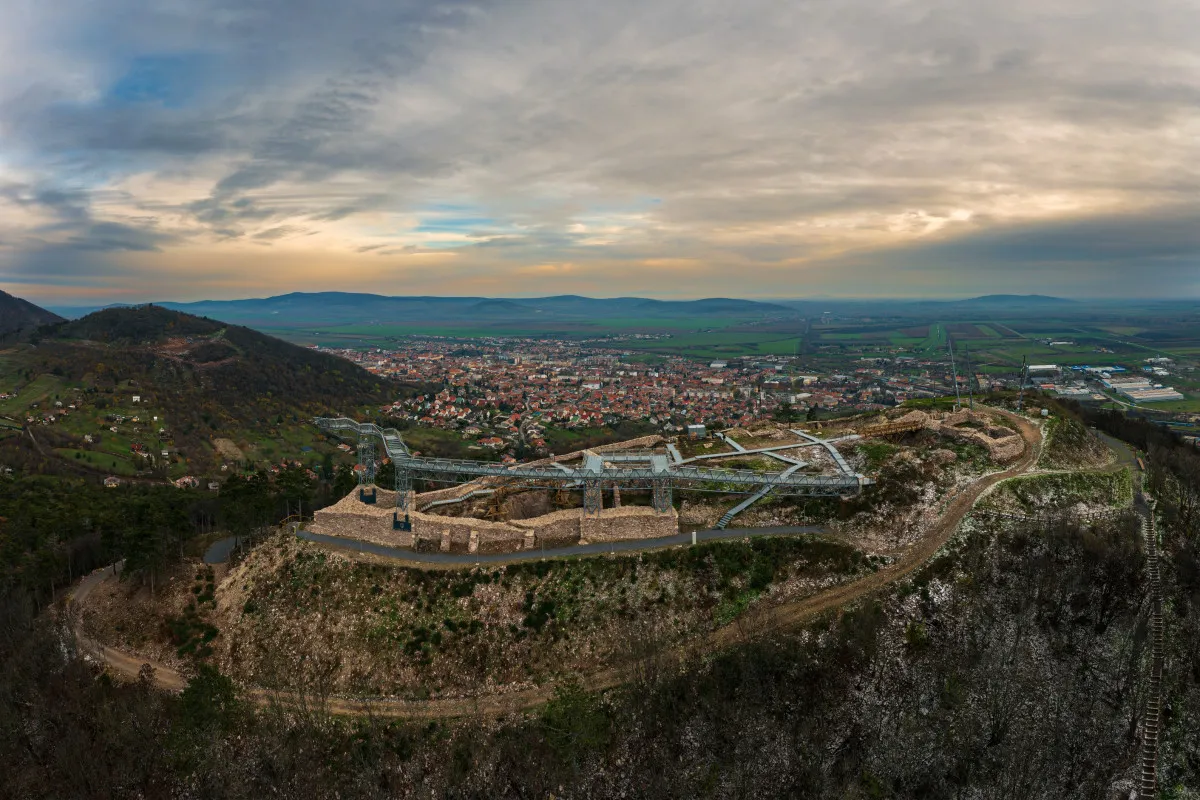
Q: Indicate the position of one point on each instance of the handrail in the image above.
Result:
(609, 470)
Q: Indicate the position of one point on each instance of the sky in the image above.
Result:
(197, 149)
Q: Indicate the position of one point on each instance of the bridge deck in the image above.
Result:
(634, 469)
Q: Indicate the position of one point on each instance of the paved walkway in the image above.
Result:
(597, 548)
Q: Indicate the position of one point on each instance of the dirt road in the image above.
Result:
(781, 617)
(118, 661)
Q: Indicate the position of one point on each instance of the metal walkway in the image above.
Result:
(594, 549)
(728, 516)
(627, 470)
(833, 451)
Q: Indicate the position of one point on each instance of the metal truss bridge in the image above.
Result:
(659, 472)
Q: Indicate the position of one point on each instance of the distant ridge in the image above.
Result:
(1013, 299)
(21, 315)
(316, 309)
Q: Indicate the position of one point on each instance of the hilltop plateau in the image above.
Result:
(703, 671)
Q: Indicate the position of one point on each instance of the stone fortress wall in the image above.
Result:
(353, 519)
(372, 522)
(1002, 443)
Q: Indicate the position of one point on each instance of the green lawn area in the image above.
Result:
(1185, 406)
(447, 444)
(103, 462)
(38, 390)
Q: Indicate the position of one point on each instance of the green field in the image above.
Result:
(39, 390)
(368, 334)
(936, 340)
(720, 344)
(102, 462)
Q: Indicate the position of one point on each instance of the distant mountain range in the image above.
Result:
(18, 315)
(322, 310)
(307, 310)
(1013, 300)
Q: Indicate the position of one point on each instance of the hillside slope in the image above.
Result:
(194, 365)
(203, 390)
(20, 315)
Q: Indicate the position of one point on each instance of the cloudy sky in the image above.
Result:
(189, 149)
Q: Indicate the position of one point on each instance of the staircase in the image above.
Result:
(728, 516)
(1152, 717)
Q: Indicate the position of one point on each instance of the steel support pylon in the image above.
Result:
(403, 488)
(366, 457)
(593, 497)
(660, 496)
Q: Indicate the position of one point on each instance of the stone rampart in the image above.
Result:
(556, 529)
(353, 519)
(628, 522)
(631, 444)
(365, 527)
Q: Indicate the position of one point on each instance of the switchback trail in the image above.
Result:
(781, 617)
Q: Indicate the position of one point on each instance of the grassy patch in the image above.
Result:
(876, 452)
(1034, 494)
(38, 390)
(102, 462)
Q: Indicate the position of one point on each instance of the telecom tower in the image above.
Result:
(1024, 380)
(970, 376)
(954, 371)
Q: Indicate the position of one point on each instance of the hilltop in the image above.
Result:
(20, 315)
(1014, 299)
(204, 392)
(186, 361)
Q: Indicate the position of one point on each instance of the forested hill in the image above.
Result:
(204, 373)
(17, 314)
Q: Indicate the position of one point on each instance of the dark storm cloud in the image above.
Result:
(1135, 239)
(1152, 253)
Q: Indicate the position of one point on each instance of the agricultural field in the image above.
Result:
(375, 334)
(38, 390)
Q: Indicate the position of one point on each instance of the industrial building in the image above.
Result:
(1150, 394)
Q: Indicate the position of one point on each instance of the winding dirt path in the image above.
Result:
(787, 615)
